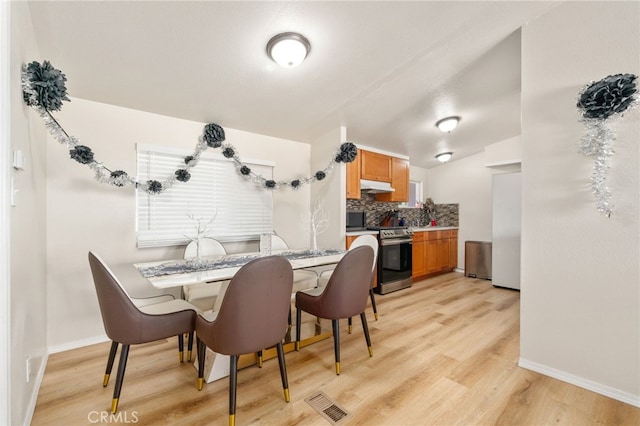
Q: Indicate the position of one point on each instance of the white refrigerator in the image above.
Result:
(506, 220)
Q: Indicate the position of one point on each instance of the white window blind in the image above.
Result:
(237, 208)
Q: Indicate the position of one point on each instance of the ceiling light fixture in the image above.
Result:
(288, 49)
(448, 124)
(444, 157)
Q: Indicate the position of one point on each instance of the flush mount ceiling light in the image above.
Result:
(448, 124)
(288, 49)
(444, 157)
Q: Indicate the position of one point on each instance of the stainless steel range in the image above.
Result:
(394, 259)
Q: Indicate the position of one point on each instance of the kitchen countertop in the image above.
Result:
(433, 228)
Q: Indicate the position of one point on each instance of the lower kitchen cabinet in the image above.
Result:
(434, 252)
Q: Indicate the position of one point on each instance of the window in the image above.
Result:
(232, 207)
(415, 193)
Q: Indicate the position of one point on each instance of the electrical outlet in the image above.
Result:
(28, 369)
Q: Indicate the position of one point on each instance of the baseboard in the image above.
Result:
(78, 344)
(31, 407)
(608, 391)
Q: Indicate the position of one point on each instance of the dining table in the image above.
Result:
(166, 274)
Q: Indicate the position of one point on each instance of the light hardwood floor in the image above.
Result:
(445, 353)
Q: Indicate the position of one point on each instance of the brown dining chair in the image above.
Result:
(344, 296)
(253, 315)
(127, 324)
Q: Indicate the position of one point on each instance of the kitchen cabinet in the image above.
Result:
(374, 166)
(434, 252)
(399, 181)
(353, 178)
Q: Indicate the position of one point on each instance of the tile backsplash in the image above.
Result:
(446, 214)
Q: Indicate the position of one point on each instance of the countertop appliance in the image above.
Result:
(356, 220)
(394, 259)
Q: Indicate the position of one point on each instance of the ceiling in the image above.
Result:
(385, 70)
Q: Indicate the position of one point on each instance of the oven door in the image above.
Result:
(394, 265)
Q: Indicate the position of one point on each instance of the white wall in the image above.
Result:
(28, 309)
(331, 192)
(84, 215)
(466, 182)
(580, 294)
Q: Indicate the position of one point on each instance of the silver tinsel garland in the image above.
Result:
(597, 143)
(345, 153)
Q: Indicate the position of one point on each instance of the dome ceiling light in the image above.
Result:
(447, 124)
(288, 49)
(444, 157)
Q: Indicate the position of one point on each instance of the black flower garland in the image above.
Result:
(598, 102)
(44, 89)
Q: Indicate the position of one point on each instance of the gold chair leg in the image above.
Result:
(105, 381)
(200, 383)
(189, 356)
(181, 356)
(337, 368)
(114, 405)
(370, 351)
(287, 398)
(232, 420)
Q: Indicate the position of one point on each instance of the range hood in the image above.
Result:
(375, 187)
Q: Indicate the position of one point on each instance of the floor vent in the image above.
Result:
(328, 409)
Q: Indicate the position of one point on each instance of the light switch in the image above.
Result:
(18, 159)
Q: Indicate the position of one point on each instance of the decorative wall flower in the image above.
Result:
(154, 187)
(270, 184)
(598, 102)
(611, 95)
(347, 154)
(188, 159)
(47, 86)
(228, 152)
(244, 170)
(183, 175)
(213, 135)
(320, 175)
(82, 154)
(295, 184)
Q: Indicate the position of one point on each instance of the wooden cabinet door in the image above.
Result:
(453, 250)
(419, 265)
(442, 256)
(374, 166)
(399, 181)
(353, 178)
(432, 256)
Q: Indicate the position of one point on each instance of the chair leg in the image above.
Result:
(283, 371)
(336, 343)
(373, 303)
(122, 365)
(298, 320)
(233, 386)
(363, 317)
(202, 352)
(181, 347)
(259, 353)
(189, 346)
(112, 357)
(350, 325)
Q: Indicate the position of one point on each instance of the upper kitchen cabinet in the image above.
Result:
(374, 166)
(353, 177)
(399, 181)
